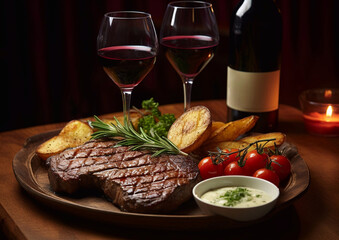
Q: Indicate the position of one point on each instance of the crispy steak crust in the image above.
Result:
(133, 180)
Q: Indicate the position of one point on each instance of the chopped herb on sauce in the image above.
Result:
(236, 197)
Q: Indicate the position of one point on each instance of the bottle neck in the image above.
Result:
(244, 7)
(247, 4)
(255, 37)
(261, 8)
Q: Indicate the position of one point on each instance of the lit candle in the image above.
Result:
(326, 124)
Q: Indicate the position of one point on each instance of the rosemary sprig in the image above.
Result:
(128, 136)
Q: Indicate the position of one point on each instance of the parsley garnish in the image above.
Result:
(154, 122)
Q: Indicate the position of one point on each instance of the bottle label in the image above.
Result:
(253, 91)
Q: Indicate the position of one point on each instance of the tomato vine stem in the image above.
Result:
(219, 156)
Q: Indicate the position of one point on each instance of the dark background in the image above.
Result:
(50, 73)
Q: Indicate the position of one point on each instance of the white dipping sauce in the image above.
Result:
(236, 197)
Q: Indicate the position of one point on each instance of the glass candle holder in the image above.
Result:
(320, 109)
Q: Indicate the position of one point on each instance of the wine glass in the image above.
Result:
(189, 34)
(127, 46)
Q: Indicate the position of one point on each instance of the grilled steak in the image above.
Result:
(133, 180)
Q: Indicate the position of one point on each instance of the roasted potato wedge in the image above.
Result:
(222, 145)
(244, 142)
(134, 119)
(217, 127)
(233, 130)
(191, 129)
(279, 139)
(73, 134)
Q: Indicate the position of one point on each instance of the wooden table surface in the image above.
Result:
(315, 215)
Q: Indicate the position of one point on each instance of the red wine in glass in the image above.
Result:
(189, 34)
(127, 65)
(126, 46)
(189, 54)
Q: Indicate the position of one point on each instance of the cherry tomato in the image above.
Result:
(230, 158)
(233, 168)
(255, 160)
(268, 175)
(208, 169)
(281, 165)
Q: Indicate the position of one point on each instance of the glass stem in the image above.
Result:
(187, 83)
(126, 94)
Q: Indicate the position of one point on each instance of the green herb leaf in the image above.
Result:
(232, 197)
(152, 106)
(154, 122)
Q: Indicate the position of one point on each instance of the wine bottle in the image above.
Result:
(253, 75)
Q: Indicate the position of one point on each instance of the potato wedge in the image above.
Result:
(213, 147)
(244, 142)
(279, 139)
(73, 134)
(191, 129)
(217, 127)
(134, 119)
(233, 130)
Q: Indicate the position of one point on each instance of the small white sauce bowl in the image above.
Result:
(236, 213)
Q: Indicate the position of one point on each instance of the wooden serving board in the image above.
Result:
(32, 176)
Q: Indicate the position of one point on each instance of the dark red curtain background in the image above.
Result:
(50, 73)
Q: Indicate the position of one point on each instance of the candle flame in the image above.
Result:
(328, 93)
(329, 111)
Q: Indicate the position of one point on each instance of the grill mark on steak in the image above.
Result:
(140, 181)
(114, 162)
(91, 150)
(133, 180)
